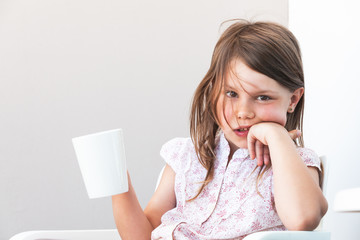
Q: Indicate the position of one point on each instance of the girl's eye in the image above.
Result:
(263, 98)
(231, 94)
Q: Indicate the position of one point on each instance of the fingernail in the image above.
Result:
(298, 133)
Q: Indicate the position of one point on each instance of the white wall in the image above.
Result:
(329, 36)
(73, 67)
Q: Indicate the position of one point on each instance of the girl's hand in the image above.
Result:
(257, 143)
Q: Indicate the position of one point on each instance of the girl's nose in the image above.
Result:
(244, 111)
(245, 114)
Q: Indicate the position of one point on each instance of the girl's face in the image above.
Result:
(249, 97)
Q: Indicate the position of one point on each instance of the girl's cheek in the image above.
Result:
(228, 112)
(224, 112)
(221, 115)
(274, 115)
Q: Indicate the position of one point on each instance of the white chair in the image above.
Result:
(112, 234)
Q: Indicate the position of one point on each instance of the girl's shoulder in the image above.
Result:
(178, 152)
(309, 156)
(177, 144)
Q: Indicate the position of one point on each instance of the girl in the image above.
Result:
(212, 186)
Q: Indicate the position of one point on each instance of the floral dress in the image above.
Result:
(230, 206)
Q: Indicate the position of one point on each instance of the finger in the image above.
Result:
(266, 155)
(251, 146)
(259, 148)
(294, 134)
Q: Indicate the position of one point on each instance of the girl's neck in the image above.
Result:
(233, 149)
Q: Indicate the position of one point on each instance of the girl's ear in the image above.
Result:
(295, 98)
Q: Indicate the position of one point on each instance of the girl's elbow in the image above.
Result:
(324, 207)
(303, 224)
(306, 222)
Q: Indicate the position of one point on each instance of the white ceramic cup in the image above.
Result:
(102, 162)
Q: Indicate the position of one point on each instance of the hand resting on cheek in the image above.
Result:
(259, 149)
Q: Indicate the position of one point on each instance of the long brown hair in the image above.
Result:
(265, 47)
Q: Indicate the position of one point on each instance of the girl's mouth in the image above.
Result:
(242, 132)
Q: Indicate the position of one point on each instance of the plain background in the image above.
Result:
(73, 67)
(329, 35)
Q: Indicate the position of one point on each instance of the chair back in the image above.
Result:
(159, 177)
(323, 182)
(325, 173)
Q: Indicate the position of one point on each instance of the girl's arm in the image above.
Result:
(163, 199)
(134, 223)
(298, 198)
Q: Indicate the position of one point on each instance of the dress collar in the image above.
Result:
(241, 153)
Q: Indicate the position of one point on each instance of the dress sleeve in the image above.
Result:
(309, 157)
(175, 152)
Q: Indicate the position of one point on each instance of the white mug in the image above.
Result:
(102, 162)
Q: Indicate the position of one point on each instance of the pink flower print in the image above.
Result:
(177, 188)
(307, 161)
(256, 226)
(269, 205)
(271, 221)
(222, 228)
(243, 194)
(174, 155)
(205, 193)
(228, 187)
(180, 208)
(240, 215)
(213, 198)
(222, 171)
(229, 206)
(196, 171)
(232, 185)
(222, 213)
